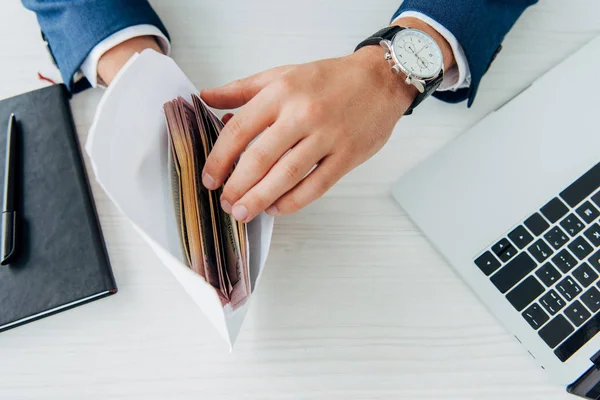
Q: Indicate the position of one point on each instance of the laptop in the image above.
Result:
(513, 205)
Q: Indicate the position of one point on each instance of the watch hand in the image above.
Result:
(424, 62)
(421, 50)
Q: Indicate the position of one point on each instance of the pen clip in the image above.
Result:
(9, 236)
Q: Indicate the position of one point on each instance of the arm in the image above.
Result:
(326, 118)
(332, 113)
(74, 28)
(479, 26)
(111, 62)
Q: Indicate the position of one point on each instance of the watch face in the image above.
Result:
(417, 53)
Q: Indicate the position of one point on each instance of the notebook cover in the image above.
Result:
(63, 260)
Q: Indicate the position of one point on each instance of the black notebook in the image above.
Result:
(62, 261)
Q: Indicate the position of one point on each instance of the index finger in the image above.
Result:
(250, 121)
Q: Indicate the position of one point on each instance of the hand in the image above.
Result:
(421, 62)
(419, 52)
(333, 113)
(410, 47)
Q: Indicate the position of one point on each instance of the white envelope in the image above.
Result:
(128, 148)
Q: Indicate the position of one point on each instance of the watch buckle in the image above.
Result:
(411, 80)
(419, 85)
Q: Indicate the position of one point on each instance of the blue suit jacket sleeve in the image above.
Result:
(478, 25)
(74, 28)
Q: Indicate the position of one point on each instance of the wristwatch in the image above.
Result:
(413, 54)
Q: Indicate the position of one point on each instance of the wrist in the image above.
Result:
(371, 59)
(113, 60)
(371, 62)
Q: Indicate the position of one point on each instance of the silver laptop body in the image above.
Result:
(469, 196)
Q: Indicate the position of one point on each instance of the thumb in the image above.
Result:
(237, 93)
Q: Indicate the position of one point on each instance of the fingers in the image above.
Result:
(257, 160)
(320, 180)
(240, 130)
(240, 92)
(286, 174)
(226, 118)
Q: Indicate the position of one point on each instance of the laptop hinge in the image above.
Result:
(588, 384)
(595, 359)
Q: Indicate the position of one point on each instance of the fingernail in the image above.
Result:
(240, 213)
(272, 211)
(209, 182)
(226, 206)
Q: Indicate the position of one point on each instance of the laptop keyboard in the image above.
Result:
(548, 267)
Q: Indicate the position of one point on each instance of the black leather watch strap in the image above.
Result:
(388, 33)
(429, 89)
(383, 34)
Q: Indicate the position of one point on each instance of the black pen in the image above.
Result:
(9, 213)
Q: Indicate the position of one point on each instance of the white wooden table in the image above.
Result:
(354, 302)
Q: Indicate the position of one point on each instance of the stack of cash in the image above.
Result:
(214, 243)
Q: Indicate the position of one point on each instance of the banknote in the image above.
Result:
(215, 244)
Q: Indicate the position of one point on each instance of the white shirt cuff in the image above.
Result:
(458, 77)
(90, 64)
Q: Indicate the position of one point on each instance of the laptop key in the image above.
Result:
(554, 210)
(582, 187)
(499, 247)
(572, 225)
(508, 253)
(540, 250)
(535, 316)
(578, 339)
(591, 298)
(536, 224)
(552, 302)
(520, 237)
(577, 313)
(564, 261)
(504, 250)
(556, 237)
(585, 274)
(596, 199)
(548, 274)
(487, 263)
(580, 247)
(568, 288)
(593, 234)
(594, 261)
(525, 293)
(556, 331)
(587, 212)
(516, 269)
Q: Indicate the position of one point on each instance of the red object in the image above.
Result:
(43, 78)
